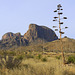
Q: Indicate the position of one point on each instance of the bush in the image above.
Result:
(44, 59)
(20, 57)
(29, 56)
(58, 57)
(9, 62)
(39, 56)
(12, 53)
(68, 73)
(71, 59)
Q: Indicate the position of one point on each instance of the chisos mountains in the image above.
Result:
(35, 35)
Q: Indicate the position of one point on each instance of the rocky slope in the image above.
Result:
(35, 34)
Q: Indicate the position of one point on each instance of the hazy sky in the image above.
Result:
(16, 15)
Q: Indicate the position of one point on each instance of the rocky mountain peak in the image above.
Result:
(36, 32)
(10, 35)
(7, 35)
(32, 26)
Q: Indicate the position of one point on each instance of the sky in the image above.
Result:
(16, 15)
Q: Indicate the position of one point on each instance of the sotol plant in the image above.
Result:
(9, 62)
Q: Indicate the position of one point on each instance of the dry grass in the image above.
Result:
(35, 66)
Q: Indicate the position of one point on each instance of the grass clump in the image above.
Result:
(58, 57)
(71, 59)
(44, 59)
(39, 56)
(20, 57)
(29, 56)
(68, 73)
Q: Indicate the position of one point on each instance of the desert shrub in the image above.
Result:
(4, 53)
(29, 56)
(9, 62)
(68, 73)
(48, 55)
(44, 59)
(71, 59)
(39, 56)
(26, 65)
(12, 53)
(20, 57)
(52, 71)
(58, 57)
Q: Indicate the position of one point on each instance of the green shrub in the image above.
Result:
(58, 57)
(20, 57)
(44, 59)
(12, 53)
(71, 59)
(39, 56)
(48, 55)
(29, 56)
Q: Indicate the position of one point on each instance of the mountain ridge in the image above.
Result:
(35, 34)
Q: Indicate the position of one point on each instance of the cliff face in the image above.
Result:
(35, 34)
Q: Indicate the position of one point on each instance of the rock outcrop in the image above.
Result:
(36, 32)
(10, 35)
(12, 40)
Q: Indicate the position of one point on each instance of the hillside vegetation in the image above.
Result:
(32, 60)
(68, 45)
(35, 63)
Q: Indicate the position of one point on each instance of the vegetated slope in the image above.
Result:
(35, 35)
(68, 45)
